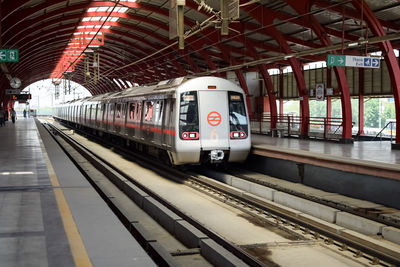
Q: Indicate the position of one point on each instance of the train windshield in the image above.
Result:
(188, 113)
(237, 113)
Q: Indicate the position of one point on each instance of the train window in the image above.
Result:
(132, 107)
(237, 116)
(188, 114)
(118, 110)
(148, 111)
(138, 111)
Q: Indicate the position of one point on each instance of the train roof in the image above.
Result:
(163, 87)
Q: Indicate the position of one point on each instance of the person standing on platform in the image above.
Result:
(13, 115)
(2, 117)
(24, 113)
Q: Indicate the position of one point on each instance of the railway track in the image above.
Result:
(293, 221)
(199, 241)
(304, 228)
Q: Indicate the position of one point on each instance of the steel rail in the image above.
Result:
(173, 174)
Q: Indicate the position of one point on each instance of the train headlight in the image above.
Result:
(190, 135)
(238, 135)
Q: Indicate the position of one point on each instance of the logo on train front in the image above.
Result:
(214, 118)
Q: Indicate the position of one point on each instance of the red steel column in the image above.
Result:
(243, 84)
(328, 98)
(390, 59)
(303, 7)
(280, 92)
(270, 91)
(265, 17)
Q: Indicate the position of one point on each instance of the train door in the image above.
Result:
(138, 119)
(89, 115)
(99, 111)
(85, 115)
(148, 120)
(158, 116)
(118, 117)
(105, 116)
(214, 120)
(124, 130)
(168, 123)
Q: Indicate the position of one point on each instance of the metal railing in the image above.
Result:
(290, 125)
(385, 131)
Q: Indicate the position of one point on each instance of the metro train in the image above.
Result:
(181, 121)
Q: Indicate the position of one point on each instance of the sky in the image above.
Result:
(43, 95)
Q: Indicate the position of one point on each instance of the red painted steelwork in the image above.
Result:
(390, 57)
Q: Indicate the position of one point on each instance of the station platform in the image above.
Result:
(363, 170)
(49, 214)
(371, 158)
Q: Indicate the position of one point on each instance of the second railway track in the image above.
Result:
(198, 239)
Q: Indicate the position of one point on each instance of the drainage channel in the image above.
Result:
(198, 240)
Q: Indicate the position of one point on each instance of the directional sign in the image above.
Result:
(336, 60)
(9, 55)
(13, 91)
(353, 61)
(21, 97)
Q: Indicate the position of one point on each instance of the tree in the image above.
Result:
(371, 112)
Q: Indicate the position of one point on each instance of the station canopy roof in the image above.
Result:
(110, 45)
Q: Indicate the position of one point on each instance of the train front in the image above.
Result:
(212, 123)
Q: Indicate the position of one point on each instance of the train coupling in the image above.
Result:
(216, 155)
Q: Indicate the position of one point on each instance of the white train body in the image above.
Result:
(192, 121)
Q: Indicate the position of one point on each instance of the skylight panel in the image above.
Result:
(123, 9)
(86, 19)
(121, 82)
(116, 82)
(102, 8)
(93, 9)
(95, 18)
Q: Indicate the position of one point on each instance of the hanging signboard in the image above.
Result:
(319, 92)
(329, 91)
(9, 55)
(13, 91)
(353, 61)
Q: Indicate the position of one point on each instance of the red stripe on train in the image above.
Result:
(144, 127)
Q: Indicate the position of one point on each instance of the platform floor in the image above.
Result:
(379, 151)
(366, 158)
(49, 214)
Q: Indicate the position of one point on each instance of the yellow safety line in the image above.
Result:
(78, 249)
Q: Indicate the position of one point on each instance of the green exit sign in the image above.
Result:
(9, 55)
(336, 60)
